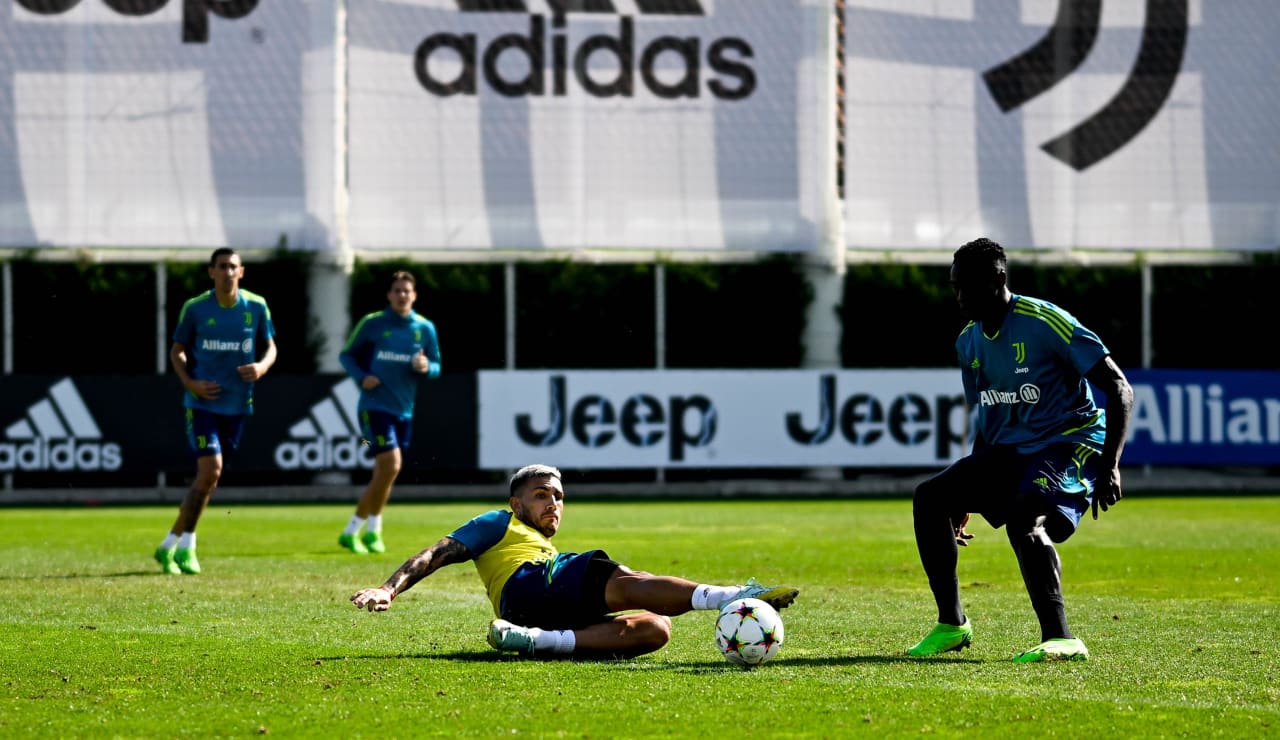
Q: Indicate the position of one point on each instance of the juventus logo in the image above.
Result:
(1019, 352)
(1064, 48)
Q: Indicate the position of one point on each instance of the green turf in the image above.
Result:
(1178, 600)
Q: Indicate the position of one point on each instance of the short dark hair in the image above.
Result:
(399, 275)
(220, 251)
(981, 253)
(537, 470)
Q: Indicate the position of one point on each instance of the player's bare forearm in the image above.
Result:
(445, 552)
(1107, 377)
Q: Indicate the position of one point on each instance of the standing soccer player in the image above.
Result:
(1042, 453)
(388, 352)
(218, 336)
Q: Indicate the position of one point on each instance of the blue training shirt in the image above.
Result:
(1027, 382)
(218, 340)
(383, 344)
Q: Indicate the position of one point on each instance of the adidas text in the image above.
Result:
(68, 454)
(195, 13)
(726, 56)
(321, 454)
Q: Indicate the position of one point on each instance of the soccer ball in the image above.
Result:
(748, 632)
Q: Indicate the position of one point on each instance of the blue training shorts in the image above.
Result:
(208, 433)
(565, 593)
(385, 431)
(996, 482)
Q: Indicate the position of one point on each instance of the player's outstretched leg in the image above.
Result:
(778, 597)
(1059, 648)
(943, 638)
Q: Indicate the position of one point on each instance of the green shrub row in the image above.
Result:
(100, 318)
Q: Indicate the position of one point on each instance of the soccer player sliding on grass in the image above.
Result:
(549, 602)
(1043, 450)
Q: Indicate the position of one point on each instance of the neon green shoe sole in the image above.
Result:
(164, 557)
(373, 542)
(350, 542)
(185, 559)
(1060, 648)
(943, 638)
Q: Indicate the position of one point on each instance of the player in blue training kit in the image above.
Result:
(548, 602)
(387, 354)
(1043, 450)
(218, 337)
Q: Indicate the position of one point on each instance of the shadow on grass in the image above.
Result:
(655, 663)
(121, 574)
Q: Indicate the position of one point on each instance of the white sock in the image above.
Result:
(170, 541)
(187, 541)
(553, 641)
(353, 526)
(374, 523)
(712, 597)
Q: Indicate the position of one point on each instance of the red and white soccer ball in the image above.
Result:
(748, 632)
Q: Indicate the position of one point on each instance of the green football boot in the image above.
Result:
(164, 556)
(185, 559)
(778, 597)
(504, 635)
(1059, 648)
(373, 542)
(352, 543)
(943, 638)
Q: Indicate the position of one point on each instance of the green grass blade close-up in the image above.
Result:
(1178, 599)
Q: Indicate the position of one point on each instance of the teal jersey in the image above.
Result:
(219, 340)
(383, 344)
(1027, 382)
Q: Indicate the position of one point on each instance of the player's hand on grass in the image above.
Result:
(1108, 492)
(370, 382)
(963, 537)
(374, 599)
(206, 389)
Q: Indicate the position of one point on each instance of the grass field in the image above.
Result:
(1177, 598)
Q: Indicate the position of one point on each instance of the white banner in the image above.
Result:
(721, 418)
(667, 124)
(168, 124)
(1053, 124)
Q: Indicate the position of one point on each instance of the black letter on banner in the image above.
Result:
(195, 16)
(556, 414)
(687, 50)
(731, 68)
(48, 7)
(706, 433)
(465, 46)
(1052, 58)
(826, 416)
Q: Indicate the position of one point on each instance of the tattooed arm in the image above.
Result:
(445, 552)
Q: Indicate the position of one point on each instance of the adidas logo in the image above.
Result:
(544, 62)
(50, 436)
(329, 437)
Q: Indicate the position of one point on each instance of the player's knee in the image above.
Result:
(1059, 528)
(653, 632)
(1026, 531)
(926, 496)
